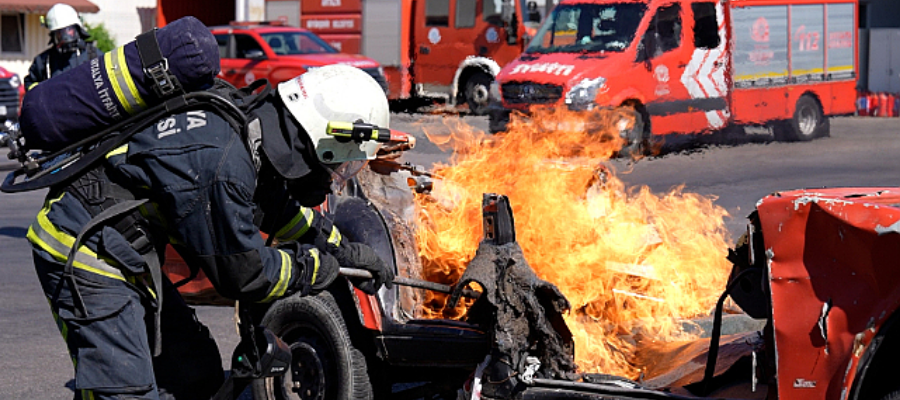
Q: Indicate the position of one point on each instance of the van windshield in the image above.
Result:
(574, 28)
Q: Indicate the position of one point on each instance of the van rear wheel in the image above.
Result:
(808, 123)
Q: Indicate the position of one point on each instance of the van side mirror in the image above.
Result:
(255, 54)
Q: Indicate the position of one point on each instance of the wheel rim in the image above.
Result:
(311, 362)
(307, 373)
(808, 121)
(479, 95)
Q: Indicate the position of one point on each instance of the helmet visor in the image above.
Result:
(343, 172)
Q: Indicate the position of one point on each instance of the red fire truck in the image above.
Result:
(449, 49)
(691, 65)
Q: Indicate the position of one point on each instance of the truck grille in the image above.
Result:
(530, 93)
(9, 97)
(379, 77)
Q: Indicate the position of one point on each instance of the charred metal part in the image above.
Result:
(753, 378)
(823, 322)
(416, 283)
(717, 331)
(606, 390)
(522, 313)
(752, 293)
(499, 224)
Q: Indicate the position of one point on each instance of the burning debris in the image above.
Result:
(631, 263)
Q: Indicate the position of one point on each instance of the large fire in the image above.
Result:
(631, 262)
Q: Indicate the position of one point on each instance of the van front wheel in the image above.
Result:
(478, 93)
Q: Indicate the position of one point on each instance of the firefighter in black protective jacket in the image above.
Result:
(69, 46)
(210, 190)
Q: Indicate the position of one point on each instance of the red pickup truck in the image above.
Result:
(253, 51)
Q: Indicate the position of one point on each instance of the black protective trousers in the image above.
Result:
(110, 345)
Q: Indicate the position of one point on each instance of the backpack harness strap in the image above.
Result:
(155, 66)
(114, 206)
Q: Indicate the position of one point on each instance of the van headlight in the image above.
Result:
(581, 96)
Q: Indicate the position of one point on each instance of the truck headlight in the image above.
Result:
(495, 91)
(581, 96)
(14, 81)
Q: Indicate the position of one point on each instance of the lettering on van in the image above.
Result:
(547, 68)
(840, 40)
(331, 3)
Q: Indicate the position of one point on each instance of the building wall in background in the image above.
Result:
(36, 40)
(122, 18)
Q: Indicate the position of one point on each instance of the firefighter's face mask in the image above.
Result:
(66, 39)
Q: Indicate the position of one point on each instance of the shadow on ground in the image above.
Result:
(681, 144)
(13, 231)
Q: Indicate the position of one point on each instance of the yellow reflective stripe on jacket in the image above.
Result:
(122, 83)
(63, 328)
(58, 243)
(315, 256)
(118, 150)
(32, 85)
(284, 278)
(335, 236)
(298, 225)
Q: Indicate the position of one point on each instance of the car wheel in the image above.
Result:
(324, 364)
(478, 93)
(638, 143)
(807, 124)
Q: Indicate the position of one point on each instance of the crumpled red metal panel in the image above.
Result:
(832, 256)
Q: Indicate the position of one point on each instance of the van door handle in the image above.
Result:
(424, 50)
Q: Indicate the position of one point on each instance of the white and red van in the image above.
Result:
(691, 65)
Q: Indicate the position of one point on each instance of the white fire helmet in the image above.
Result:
(60, 16)
(337, 93)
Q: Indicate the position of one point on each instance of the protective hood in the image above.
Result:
(284, 143)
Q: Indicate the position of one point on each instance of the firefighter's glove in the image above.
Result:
(317, 269)
(361, 256)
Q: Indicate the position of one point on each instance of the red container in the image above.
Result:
(885, 104)
(873, 104)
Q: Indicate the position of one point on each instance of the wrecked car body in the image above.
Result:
(814, 277)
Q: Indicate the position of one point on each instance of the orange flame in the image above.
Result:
(631, 262)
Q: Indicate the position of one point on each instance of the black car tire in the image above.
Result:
(478, 90)
(639, 143)
(324, 365)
